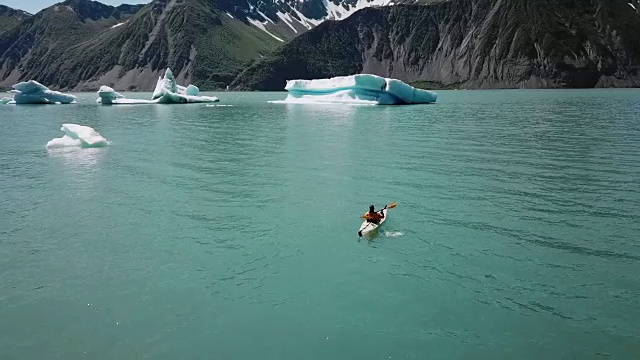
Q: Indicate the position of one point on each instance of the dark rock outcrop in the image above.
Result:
(469, 44)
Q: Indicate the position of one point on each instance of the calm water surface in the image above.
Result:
(230, 232)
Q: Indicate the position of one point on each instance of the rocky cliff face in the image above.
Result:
(469, 44)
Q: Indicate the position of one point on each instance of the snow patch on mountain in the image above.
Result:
(118, 25)
(262, 27)
(342, 11)
(287, 20)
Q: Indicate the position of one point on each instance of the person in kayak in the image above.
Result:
(374, 217)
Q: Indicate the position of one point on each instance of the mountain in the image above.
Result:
(45, 45)
(93, 10)
(285, 19)
(82, 44)
(10, 17)
(469, 44)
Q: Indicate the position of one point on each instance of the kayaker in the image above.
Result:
(374, 217)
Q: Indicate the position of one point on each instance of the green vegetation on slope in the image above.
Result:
(226, 48)
(11, 17)
(37, 46)
(7, 22)
(328, 50)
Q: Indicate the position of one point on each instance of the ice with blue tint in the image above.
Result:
(357, 89)
(167, 91)
(32, 92)
(108, 96)
(77, 136)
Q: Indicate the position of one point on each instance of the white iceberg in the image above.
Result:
(77, 136)
(108, 96)
(166, 92)
(32, 92)
(5, 100)
(357, 89)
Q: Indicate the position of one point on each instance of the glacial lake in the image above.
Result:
(229, 232)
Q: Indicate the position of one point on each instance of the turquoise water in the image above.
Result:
(230, 232)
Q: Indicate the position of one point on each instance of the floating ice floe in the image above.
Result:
(32, 92)
(166, 92)
(357, 89)
(77, 136)
(108, 96)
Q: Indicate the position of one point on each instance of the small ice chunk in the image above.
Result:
(78, 136)
(189, 90)
(86, 134)
(108, 95)
(192, 90)
(5, 100)
(63, 142)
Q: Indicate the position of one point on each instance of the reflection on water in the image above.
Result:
(77, 158)
(330, 114)
(79, 165)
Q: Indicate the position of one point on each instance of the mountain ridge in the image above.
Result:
(37, 45)
(9, 17)
(127, 51)
(469, 44)
(258, 44)
(128, 47)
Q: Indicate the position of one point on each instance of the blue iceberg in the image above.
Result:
(357, 89)
(32, 92)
